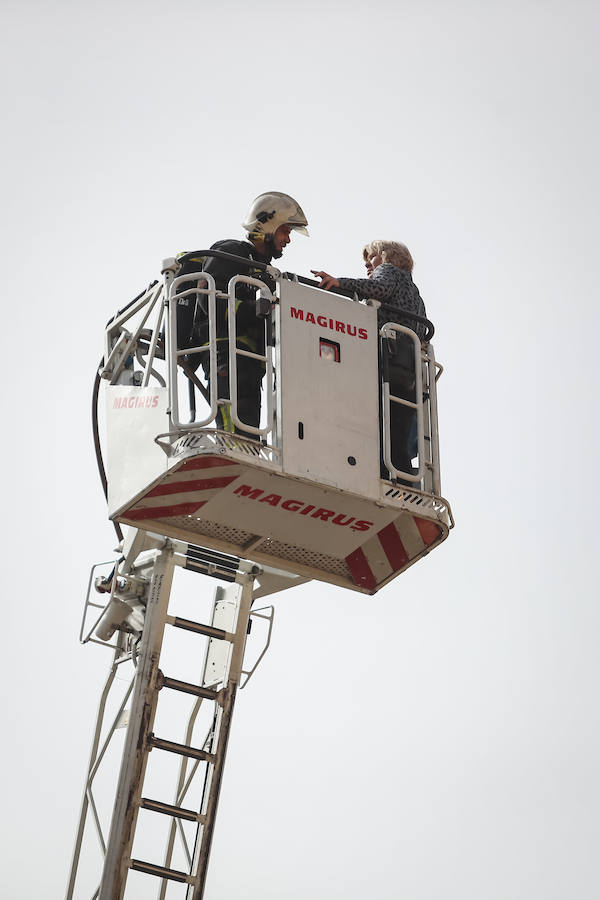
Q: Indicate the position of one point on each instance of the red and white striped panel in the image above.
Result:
(391, 549)
(183, 491)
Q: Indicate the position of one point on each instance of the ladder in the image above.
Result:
(151, 573)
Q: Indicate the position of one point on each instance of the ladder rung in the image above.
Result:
(207, 630)
(160, 871)
(223, 559)
(210, 569)
(182, 749)
(169, 810)
(187, 688)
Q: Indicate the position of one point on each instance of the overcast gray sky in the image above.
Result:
(442, 739)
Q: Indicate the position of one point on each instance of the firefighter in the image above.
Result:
(270, 221)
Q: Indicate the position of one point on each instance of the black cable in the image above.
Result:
(221, 254)
(97, 447)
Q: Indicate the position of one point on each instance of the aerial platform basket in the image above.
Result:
(304, 493)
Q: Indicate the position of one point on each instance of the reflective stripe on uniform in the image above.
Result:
(227, 420)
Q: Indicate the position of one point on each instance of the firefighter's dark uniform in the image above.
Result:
(250, 330)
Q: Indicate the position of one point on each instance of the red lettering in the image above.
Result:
(245, 490)
(331, 323)
(349, 330)
(292, 505)
(323, 514)
(322, 320)
(339, 326)
(310, 318)
(362, 333)
(339, 520)
(135, 402)
(296, 313)
(361, 525)
(271, 499)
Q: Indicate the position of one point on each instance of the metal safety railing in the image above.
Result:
(177, 354)
(234, 352)
(120, 343)
(174, 355)
(419, 383)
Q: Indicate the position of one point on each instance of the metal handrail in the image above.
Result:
(174, 354)
(231, 257)
(411, 316)
(101, 606)
(113, 365)
(152, 350)
(437, 369)
(389, 330)
(234, 352)
(259, 614)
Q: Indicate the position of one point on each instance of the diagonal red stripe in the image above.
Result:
(393, 547)
(207, 462)
(180, 487)
(429, 531)
(361, 570)
(163, 512)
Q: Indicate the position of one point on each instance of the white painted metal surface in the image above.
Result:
(225, 611)
(328, 400)
(134, 416)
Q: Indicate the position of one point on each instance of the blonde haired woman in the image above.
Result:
(389, 266)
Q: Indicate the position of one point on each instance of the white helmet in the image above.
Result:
(273, 209)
